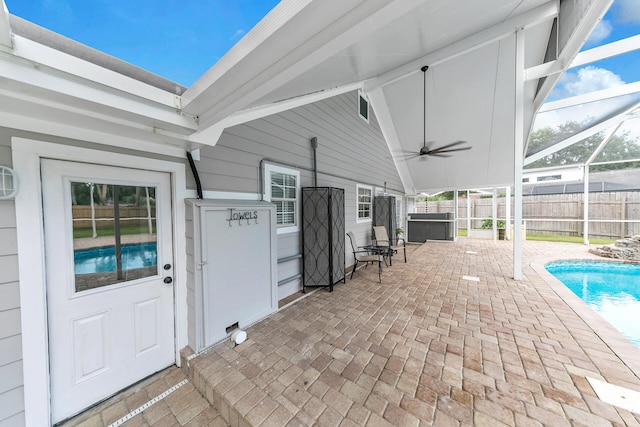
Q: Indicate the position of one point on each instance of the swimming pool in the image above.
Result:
(103, 260)
(611, 289)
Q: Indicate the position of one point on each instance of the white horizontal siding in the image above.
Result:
(11, 373)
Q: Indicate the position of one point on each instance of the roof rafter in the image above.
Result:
(609, 50)
(210, 135)
(599, 95)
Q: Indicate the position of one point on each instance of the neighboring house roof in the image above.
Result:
(614, 180)
(304, 51)
(578, 187)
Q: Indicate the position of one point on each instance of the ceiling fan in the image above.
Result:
(439, 151)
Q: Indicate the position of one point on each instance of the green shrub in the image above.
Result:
(488, 223)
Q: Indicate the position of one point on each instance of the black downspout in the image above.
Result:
(314, 145)
(195, 175)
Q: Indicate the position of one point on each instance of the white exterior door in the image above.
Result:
(109, 268)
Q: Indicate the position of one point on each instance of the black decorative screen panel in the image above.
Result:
(337, 233)
(384, 214)
(322, 236)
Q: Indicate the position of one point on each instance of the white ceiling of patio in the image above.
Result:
(380, 46)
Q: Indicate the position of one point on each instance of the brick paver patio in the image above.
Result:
(427, 347)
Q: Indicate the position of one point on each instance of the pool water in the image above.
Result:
(103, 260)
(611, 289)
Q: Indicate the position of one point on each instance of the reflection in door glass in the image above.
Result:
(114, 233)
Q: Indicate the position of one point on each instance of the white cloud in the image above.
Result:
(600, 33)
(586, 80)
(628, 11)
(237, 35)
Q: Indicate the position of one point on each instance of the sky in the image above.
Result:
(176, 39)
(621, 21)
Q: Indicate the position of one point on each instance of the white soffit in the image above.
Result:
(333, 44)
(336, 42)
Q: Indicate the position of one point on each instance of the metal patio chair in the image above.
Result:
(381, 238)
(364, 255)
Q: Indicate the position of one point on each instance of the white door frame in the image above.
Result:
(29, 223)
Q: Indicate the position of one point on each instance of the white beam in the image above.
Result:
(604, 142)
(543, 70)
(609, 50)
(5, 28)
(494, 213)
(468, 213)
(124, 139)
(580, 136)
(455, 215)
(585, 206)
(51, 84)
(519, 140)
(45, 57)
(492, 34)
(599, 95)
(599, 53)
(508, 213)
(209, 135)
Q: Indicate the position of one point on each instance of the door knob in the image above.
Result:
(167, 266)
(168, 280)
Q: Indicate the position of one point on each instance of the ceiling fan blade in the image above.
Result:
(453, 144)
(409, 156)
(449, 150)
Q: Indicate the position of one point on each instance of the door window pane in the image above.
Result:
(114, 233)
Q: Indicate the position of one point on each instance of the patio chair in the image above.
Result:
(363, 255)
(382, 239)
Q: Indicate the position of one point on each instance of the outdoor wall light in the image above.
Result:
(8, 183)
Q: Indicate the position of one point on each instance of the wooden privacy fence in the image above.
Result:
(129, 216)
(611, 215)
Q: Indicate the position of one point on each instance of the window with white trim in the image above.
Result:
(283, 190)
(364, 202)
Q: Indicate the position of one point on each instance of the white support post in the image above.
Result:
(518, 153)
(508, 213)
(455, 215)
(585, 213)
(494, 212)
(468, 213)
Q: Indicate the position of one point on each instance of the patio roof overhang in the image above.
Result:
(305, 51)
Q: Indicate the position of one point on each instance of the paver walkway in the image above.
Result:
(424, 347)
